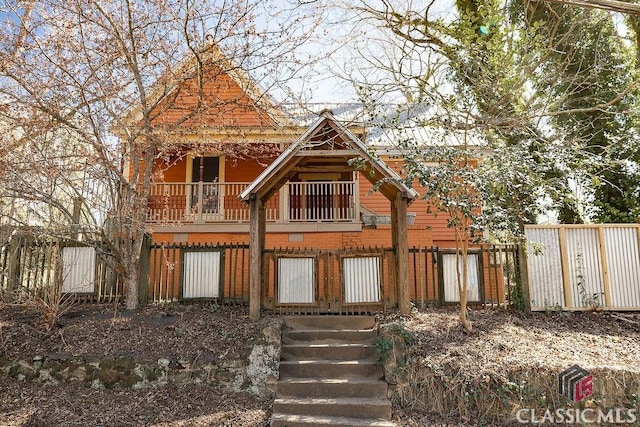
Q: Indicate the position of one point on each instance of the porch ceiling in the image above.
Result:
(327, 146)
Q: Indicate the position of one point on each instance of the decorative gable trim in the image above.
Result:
(277, 171)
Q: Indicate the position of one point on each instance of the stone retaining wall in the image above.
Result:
(257, 374)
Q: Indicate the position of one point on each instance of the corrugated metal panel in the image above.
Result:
(450, 275)
(78, 270)
(585, 267)
(201, 274)
(361, 279)
(545, 268)
(623, 259)
(296, 280)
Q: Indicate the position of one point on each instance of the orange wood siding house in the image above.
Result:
(226, 145)
(224, 140)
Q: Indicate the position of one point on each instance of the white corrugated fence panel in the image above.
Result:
(296, 280)
(450, 276)
(361, 279)
(201, 274)
(78, 269)
(623, 259)
(544, 264)
(585, 267)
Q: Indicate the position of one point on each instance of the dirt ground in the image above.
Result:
(205, 332)
(505, 340)
(197, 333)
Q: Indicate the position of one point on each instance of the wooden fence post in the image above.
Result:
(606, 281)
(523, 283)
(13, 265)
(566, 278)
(145, 267)
(480, 274)
(77, 211)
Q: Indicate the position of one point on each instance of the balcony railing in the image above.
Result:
(321, 201)
(201, 203)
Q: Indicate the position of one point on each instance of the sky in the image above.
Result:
(340, 35)
(349, 37)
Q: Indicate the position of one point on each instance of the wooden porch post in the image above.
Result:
(401, 245)
(256, 243)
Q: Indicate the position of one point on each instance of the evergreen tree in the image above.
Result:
(589, 77)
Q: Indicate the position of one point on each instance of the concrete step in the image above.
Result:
(329, 322)
(328, 351)
(329, 336)
(287, 420)
(344, 407)
(366, 368)
(330, 374)
(336, 388)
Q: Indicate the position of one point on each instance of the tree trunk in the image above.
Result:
(130, 238)
(462, 249)
(131, 288)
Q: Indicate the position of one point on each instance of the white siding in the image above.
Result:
(450, 277)
(361, 280)
(78, 270)
(296, 280)
(201, 274)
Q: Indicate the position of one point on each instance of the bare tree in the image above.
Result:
(103, 77)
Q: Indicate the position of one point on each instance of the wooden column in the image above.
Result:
(394, 245)
(256, 242)
(401, 245)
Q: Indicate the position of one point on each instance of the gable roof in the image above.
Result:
(213, 60)
(278, 172)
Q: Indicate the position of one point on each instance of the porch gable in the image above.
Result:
(326, 144)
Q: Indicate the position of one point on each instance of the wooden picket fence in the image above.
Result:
(29, 266)
(310, 280)
(295, 280)
(183, 271)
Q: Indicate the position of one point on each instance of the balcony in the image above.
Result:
(218, 203)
